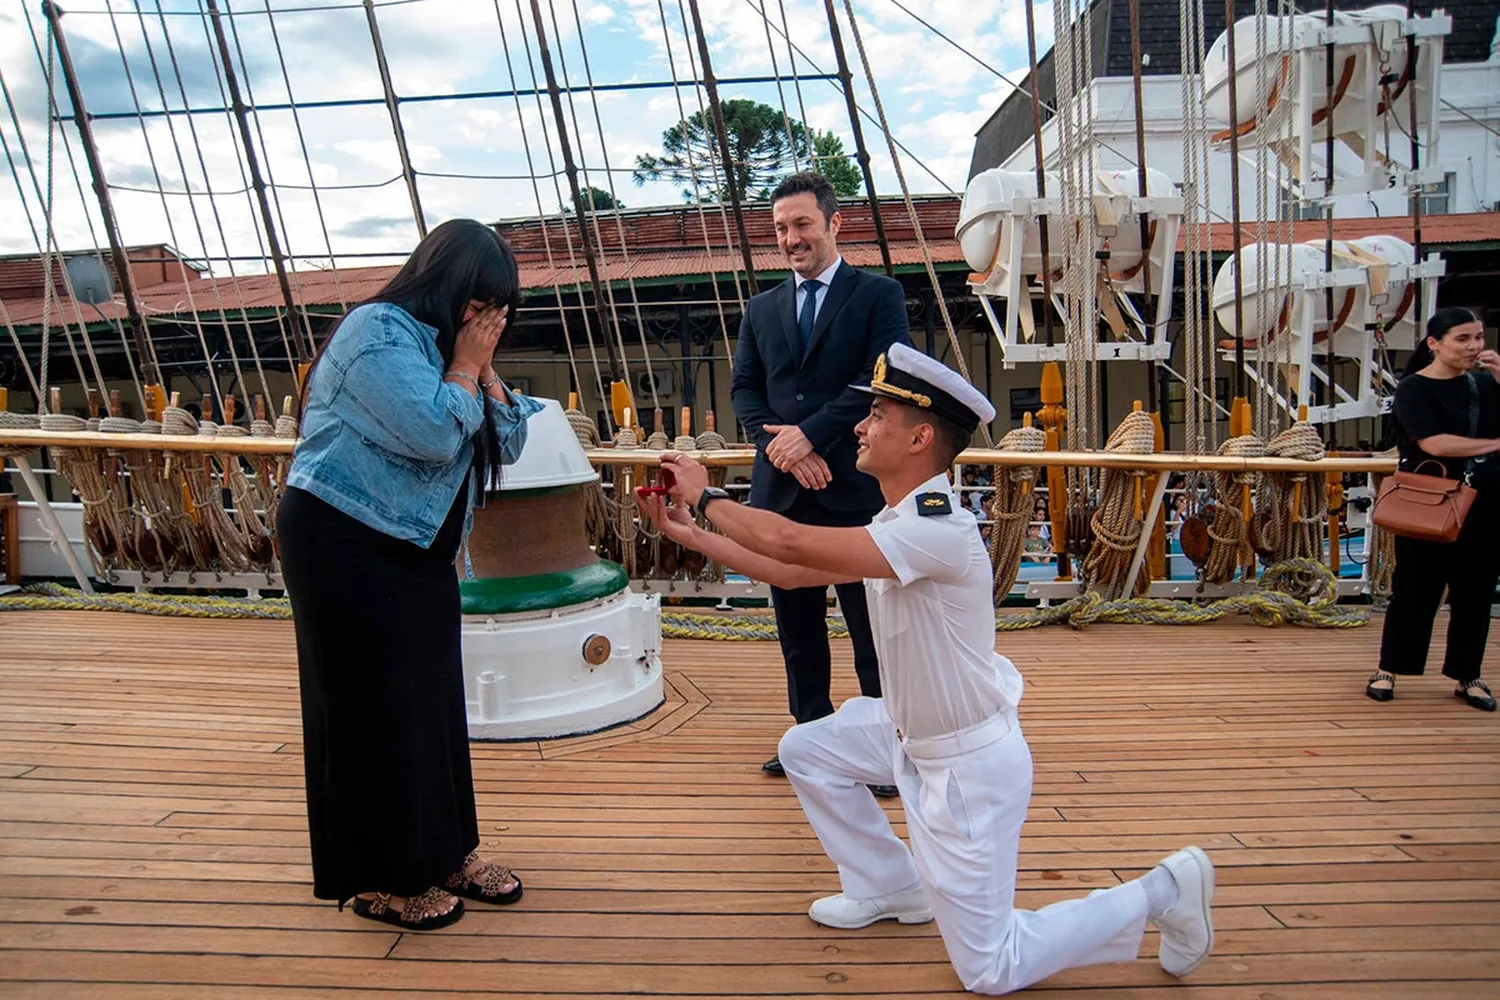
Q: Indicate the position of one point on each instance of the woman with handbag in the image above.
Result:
(1447, 411)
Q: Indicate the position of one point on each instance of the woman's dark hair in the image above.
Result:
(1437, 328)
(460, 261)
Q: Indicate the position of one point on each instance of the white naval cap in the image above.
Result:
(907, 374)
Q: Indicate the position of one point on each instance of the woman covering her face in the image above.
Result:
(1450, 377)
(405, 425)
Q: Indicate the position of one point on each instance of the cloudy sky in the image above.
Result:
(471, 152)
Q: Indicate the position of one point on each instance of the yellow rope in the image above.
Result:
(1269, 605)
(1266, 605)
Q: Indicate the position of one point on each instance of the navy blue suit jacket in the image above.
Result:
(862, 315)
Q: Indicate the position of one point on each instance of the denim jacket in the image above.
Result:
(384, 438)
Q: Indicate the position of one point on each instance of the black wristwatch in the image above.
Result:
(709, 494)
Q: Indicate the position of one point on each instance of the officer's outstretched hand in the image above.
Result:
(676, 522)
(692, 478)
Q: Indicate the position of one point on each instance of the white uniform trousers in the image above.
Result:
(965, 798)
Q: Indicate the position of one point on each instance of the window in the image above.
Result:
(1176, 400)
(1438, 198)
(1022, 402)
(1296, 210)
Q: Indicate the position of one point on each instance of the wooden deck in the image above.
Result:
(152, 840)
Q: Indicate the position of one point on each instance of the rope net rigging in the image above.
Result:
(219, 156)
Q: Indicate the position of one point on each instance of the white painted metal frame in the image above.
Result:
(1376, 175)
(1311, 362)
(1024, 218)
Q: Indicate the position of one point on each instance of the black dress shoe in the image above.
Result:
(884, 791)
(773, 767)
(1484, 702)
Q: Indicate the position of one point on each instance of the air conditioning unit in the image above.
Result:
(642, 382)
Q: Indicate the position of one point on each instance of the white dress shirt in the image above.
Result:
(826, 278)
(934, 625)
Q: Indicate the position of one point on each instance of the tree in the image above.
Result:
(759, 146)
(830, 160)
(595, 200)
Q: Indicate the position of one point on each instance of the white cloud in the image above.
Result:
(935, 96)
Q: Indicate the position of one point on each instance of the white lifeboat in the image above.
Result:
(1281, 74)
(996, 210)
(1274, 278)
(1298, 307)
(1126, 254)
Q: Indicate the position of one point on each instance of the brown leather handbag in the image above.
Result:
(1431, 508)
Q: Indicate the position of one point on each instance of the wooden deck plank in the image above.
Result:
(153, 840)
(1414, 990)
(647, 977)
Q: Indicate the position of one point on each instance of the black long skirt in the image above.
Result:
(390, 792)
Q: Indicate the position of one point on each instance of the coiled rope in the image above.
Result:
(81, 468)
(1118, 522)
(1292, 510)
(1380, 548)
(17, 422)
(1011, 506)
(1230, 528)
(1269, 605)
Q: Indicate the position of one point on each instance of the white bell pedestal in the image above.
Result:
(526, 676)
(571, 649)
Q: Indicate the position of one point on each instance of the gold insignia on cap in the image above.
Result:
(878, 382)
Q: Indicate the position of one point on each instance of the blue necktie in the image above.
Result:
(809, 310)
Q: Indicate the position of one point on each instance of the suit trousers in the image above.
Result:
(1468, 568)
(802, 624)
(965, 798)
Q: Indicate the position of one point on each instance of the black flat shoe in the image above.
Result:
(884, 791)
(380, 909)
(1484, 702)
(1381, 694)
(773, 767)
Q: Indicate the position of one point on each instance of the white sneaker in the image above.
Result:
(1187, 929)
(909, 906)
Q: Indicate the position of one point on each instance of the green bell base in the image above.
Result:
(543, 591)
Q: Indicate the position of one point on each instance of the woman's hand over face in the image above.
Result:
(474, 349)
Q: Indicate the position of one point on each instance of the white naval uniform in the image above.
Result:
(947, 735)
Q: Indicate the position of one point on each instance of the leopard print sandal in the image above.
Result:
(380, 909)
(486, 883)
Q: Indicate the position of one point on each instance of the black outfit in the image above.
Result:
(390, 793)
(1468, 567)
(802, 625)
(778, 380)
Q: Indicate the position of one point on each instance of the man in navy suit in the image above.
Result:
(801, 346)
